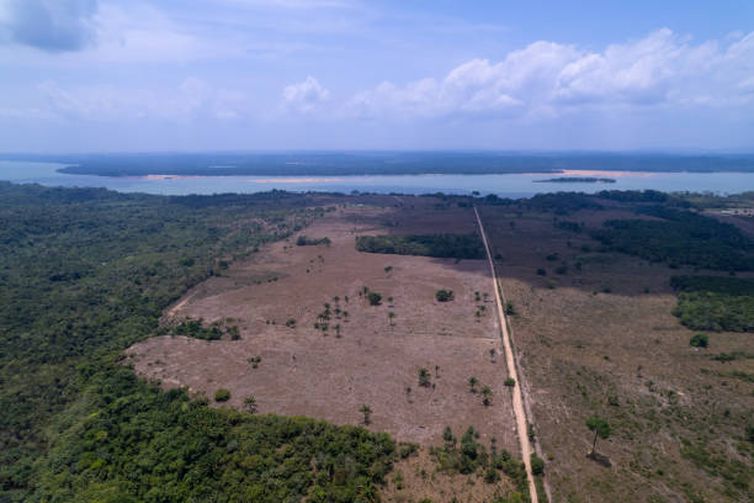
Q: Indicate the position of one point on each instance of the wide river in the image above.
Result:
(510, 185)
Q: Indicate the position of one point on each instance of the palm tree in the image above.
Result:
(601, 429)
(424, 377)
(250, 404)
(367, 412)
(487, 394)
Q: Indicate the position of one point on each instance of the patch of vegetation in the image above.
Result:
(222, 395)
(374, 298)
(469, 456)
(458, 246)
(699, 341)
(86, 273)
(736, 475)
(715, 303)
(304, 240)
(680, 238)
(444, 295)
(196, 329)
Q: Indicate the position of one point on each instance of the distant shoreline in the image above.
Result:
(577, 179)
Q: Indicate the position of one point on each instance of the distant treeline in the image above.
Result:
(576, 179)
(680, 237)
(386, 163)
(459, 246)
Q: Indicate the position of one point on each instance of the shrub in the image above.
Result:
(699, 341)
(374, 298)
(444, 295)
(537, 465)
(222, 395)
(510, 382)
(424, 377)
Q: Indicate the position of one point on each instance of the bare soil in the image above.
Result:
(372, 359)
(601, 340)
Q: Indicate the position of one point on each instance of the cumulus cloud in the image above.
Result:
(49, 25)
(547, 78)
(305, 97)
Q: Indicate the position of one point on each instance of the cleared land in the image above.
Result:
(366, 356)
(597, 337)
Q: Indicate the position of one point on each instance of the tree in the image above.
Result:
(537, 464)
(510, 382)
(601, 429)
(222, 395)
(250, 404)
(424, 377)
(444, 295)
(699, 341)
(473, 381)
(367, 413)
(487, 396)
(375, 299)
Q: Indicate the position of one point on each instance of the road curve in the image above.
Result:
(518, 400)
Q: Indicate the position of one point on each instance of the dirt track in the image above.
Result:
(518, 401)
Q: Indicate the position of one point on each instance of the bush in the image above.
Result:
(222, 395)
(444, 295)
(510, 382)
(537, 465)
(374, 298)
(699, 341)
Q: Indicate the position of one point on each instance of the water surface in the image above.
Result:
(505, 185)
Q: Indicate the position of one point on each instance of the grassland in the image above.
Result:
(591, 287)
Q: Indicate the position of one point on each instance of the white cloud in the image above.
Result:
(547, 78)
(306, 96)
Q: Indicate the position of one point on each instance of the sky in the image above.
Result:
(170, 75)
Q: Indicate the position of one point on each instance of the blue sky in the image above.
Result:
(134, 75)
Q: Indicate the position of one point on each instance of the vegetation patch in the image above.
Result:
(680, 238)
(469, 456)
(86, 273)
(304, 240)
(715, 303)
(459, 246)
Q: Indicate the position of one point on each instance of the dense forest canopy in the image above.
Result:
(84, 274)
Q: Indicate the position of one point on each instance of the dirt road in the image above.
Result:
(518, 401)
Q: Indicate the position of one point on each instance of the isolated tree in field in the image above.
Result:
(375, 299)
(473, 381)
(699, 341)
(601, 429)
(366, 411)
(424, 377)
(250, 404)
(444, 295)
(486, 396)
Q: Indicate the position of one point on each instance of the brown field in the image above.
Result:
(370, 359)
(602, 340)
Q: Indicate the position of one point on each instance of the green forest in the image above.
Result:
(87, 272)
(458, 246)
(678, 238)
(715, 303)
